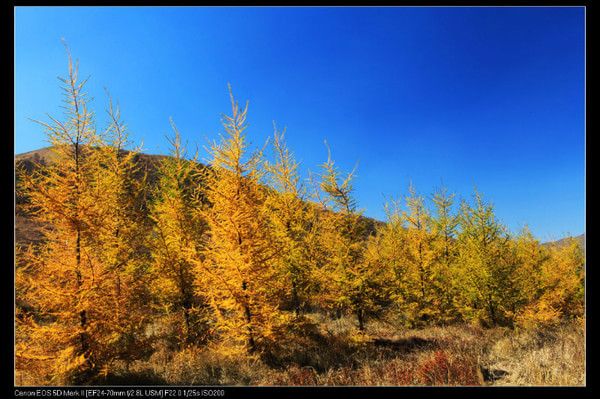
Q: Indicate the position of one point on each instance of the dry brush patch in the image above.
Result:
(552, 356)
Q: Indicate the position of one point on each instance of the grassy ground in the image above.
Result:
(388, 355)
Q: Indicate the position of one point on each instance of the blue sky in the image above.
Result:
(487, 97)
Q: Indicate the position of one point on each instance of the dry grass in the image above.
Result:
(555, 356)
(321, 351)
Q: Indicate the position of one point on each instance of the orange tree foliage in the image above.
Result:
(419, 251)
(419, 259)
(559, 285)
(350, 280)
(486, 272)
(119, 243)
(239, 265)
(83, 279)
(444, 227)
(291, 221)
(177, 243)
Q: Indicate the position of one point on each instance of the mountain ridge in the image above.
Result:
(28, 230)
(44, 155)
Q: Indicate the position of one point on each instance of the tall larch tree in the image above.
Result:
(352, 282)
(120, 245)
(238, 270)
(63, 278)
(561, 286)
(290, 219)
(419, 259)
(530, 257)
(444, 231)
(387, 248)
(485, 276)
(178, 242)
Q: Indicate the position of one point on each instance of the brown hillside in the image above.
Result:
(28, 231)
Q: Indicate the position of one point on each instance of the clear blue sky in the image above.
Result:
(492, 97)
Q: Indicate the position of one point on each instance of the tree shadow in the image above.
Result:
(302, 344)
(404, 345)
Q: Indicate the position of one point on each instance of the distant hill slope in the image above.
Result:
(562, 241)
(45, 155)
(28, 231)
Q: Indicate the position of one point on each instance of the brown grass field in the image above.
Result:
(335, 355)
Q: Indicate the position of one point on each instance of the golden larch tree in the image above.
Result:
(238, 269)
(178, 242)
(419, 260)
(444, 225)
(63, 279)
(290, 218)
(119, 243)
(352, 282)
(485, 274)
(561, 286)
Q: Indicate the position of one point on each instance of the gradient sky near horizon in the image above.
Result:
(487, 97)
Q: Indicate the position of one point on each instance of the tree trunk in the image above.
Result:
(361, 319)
(492, 310)
(248, 314)
(82, 314)
(186, 303)
(117, 281)
(186, 316)
(295, 299)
